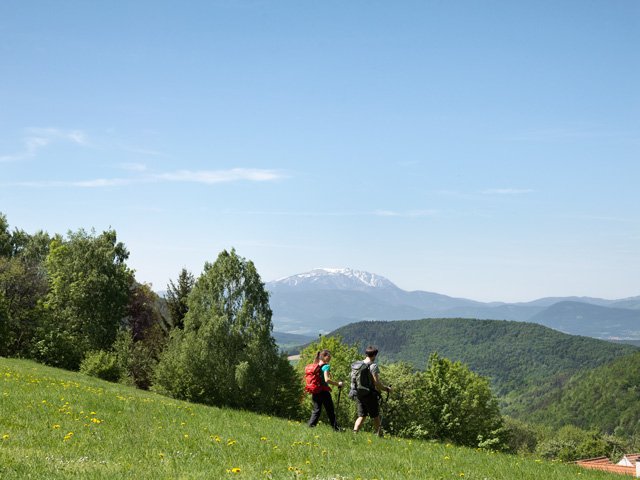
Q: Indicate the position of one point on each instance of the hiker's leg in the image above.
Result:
(362, 412)
(331, 411)
(376, 424)
(316, 400)
(358, 423)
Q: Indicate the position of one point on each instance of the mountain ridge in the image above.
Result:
(324, 299)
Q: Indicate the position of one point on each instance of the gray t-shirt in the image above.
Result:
(373, 368)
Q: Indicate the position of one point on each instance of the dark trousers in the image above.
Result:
(318, 400)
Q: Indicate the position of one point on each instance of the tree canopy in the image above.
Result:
(226, 354)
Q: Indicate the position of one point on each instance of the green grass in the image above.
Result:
(59, 424)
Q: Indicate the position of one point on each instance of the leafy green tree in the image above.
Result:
(5, 236)
(141, 340)
(225, 355)
(342, 356)
(402, 408)
(89, 291)
(459, 405)
(23, 284)
(4, 328)
(177, 296)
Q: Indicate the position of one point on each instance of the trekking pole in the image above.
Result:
(339, 393)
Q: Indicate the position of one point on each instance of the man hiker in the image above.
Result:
(365, 389)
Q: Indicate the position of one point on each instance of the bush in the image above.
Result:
(101, 364)
(519, 437)
(138, 359)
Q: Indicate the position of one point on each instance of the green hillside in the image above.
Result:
(56, 424)
(523, 360)
(607, 397)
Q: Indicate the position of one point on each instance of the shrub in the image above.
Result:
(101, 364)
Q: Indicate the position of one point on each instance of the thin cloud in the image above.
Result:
(134, 167)
(221, 176)
(207, 177)
(506, 191)
(143, 151)
(407, 214)
(38, 138)
(342, 213)
(95, 183)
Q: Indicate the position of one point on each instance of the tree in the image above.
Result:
(5, 236)
(23, 284)
(458, 405)
(177, 297)
(139, 344)
(225, 355)
(89, 291)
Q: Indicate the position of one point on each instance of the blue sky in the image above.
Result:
(483, 149)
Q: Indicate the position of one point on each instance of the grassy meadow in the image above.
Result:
(60, 424)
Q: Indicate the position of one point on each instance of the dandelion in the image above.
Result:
(447, 457)
(231, 442)
(462, 474)
(96, 420)
(234, 470)
(56, 426)
(263, 439)
(5, 436)
(161, 455)
(216, 438)
(186, 435)
(68, 436)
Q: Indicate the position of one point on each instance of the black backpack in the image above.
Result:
(361, 380)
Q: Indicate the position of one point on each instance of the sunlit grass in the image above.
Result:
(58, 424)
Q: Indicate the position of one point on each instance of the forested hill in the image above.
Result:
(523, 360)
(607, 398)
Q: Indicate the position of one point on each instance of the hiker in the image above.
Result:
(321, 395)
(365, 389)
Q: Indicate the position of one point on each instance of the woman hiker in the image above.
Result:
(323, 396)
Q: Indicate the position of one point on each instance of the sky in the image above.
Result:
(478, 149)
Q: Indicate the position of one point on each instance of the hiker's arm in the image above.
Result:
(378, 383)
(327, 378)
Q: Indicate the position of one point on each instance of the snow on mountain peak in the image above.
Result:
(341, 278)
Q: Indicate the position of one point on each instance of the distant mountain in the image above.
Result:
(287, 341)
(591, 320)
(524, 361)
(324, 299)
